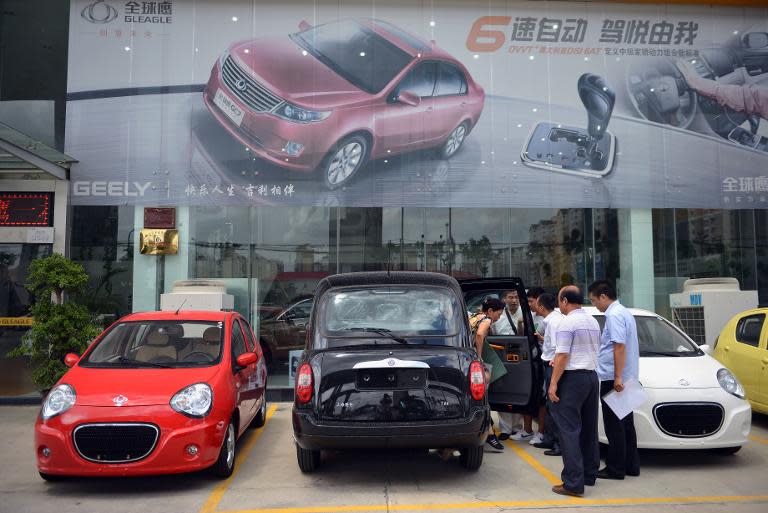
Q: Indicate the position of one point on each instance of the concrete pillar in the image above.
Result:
(177, 266)
(636, 282)
(144, 271)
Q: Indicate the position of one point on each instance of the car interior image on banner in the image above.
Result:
(514, 104)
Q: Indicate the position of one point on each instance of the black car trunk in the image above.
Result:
(404, 384)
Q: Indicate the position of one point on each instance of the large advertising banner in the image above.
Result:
(399, 104)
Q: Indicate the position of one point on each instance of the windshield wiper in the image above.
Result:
(380, 331)
(131, 361)
(660, 353)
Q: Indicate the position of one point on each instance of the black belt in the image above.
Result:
(579, 370)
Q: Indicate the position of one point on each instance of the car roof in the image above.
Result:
(183, 315)
(406, 41)
(375, 278)
(638, 312)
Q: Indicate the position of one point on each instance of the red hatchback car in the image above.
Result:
(336, 95)
(156, 393)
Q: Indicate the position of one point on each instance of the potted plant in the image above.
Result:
(61, 324)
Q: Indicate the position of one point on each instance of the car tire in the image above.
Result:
(308, 459)
(727, 451)
(51, 478)
(225, 464)
(344, 161)
(261, 418)
(471, 457)
(454, 141)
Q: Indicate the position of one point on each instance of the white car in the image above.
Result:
(694, 402)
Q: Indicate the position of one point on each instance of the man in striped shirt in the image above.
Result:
(574, 392)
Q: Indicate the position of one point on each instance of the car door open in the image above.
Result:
(518, 390)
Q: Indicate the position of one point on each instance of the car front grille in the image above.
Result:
(689, 420)
(115, 443)
(253, 94)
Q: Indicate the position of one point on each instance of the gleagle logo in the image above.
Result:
(99, 12)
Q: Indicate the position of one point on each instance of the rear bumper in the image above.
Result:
(314, 435)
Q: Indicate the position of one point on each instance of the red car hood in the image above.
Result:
(141, 387)
(279, 64)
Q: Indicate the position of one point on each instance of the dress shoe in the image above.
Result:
(590, 483)
(543, 445)
(604, 474)
(562, 490)
(504, 436)
(633, 474)
(553, 452)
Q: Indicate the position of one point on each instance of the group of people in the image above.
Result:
(581, 365)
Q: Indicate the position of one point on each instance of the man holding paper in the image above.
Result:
(618, 363)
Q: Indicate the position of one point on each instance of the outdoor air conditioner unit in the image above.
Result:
(197, 295)
(707, 304)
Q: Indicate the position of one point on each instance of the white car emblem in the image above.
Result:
(120, 400)
(391, 362)
(240, 85)
(683, 383)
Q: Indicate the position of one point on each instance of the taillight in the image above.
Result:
(304, 384)
(477, 380)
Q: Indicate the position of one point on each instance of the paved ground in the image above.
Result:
(268, 480)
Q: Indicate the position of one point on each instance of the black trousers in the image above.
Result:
(551, 436)
(576, 416)
(622, 457)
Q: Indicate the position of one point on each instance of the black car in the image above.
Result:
(390, 363)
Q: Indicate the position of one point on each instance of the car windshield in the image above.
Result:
(355, 52)
(161, 344)
(391, 315)
(658, 337)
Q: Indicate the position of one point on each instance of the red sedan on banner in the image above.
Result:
(336, 95)
(156, 393)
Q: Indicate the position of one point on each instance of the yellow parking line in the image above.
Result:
(533, 462)
(218, 493)
(758, 439)
(638, 501)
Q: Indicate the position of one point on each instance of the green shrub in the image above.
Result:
(61, 324)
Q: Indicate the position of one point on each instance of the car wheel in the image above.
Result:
(344, 160)
(225, 464)
(454, 141)
(308, 460)
(51, 477)
(471, 457)
(727, 450)
(261, 418)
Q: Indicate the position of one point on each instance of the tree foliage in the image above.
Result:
(60, 326)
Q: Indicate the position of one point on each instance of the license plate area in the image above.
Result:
(377, 379)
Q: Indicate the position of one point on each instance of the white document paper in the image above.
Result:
(625, 402)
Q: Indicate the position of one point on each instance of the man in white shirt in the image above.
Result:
(547, 304)
(574, 392)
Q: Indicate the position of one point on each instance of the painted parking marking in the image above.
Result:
(560, 503)
(758, 439)
(218, 493)
(533, 462)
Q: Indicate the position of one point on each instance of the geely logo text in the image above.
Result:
(98, 12)
(120, 400)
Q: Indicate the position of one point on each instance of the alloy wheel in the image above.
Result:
(344, 162)
(454, 140)
(230, 445)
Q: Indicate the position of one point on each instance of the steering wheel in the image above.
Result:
(660, 94)
(206, 358)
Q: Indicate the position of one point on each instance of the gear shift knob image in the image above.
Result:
(574, 150)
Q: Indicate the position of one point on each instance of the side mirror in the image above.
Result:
(71, 359)
(246, 359)
(706, 348)
(303, 25)
(408, 98)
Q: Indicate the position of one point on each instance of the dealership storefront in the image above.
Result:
(556, 141)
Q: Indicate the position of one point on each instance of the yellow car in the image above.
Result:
(743, 347)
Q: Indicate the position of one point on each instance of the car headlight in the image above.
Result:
(193, 401)
(293, 113)
(59, 399)
(729, 383)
